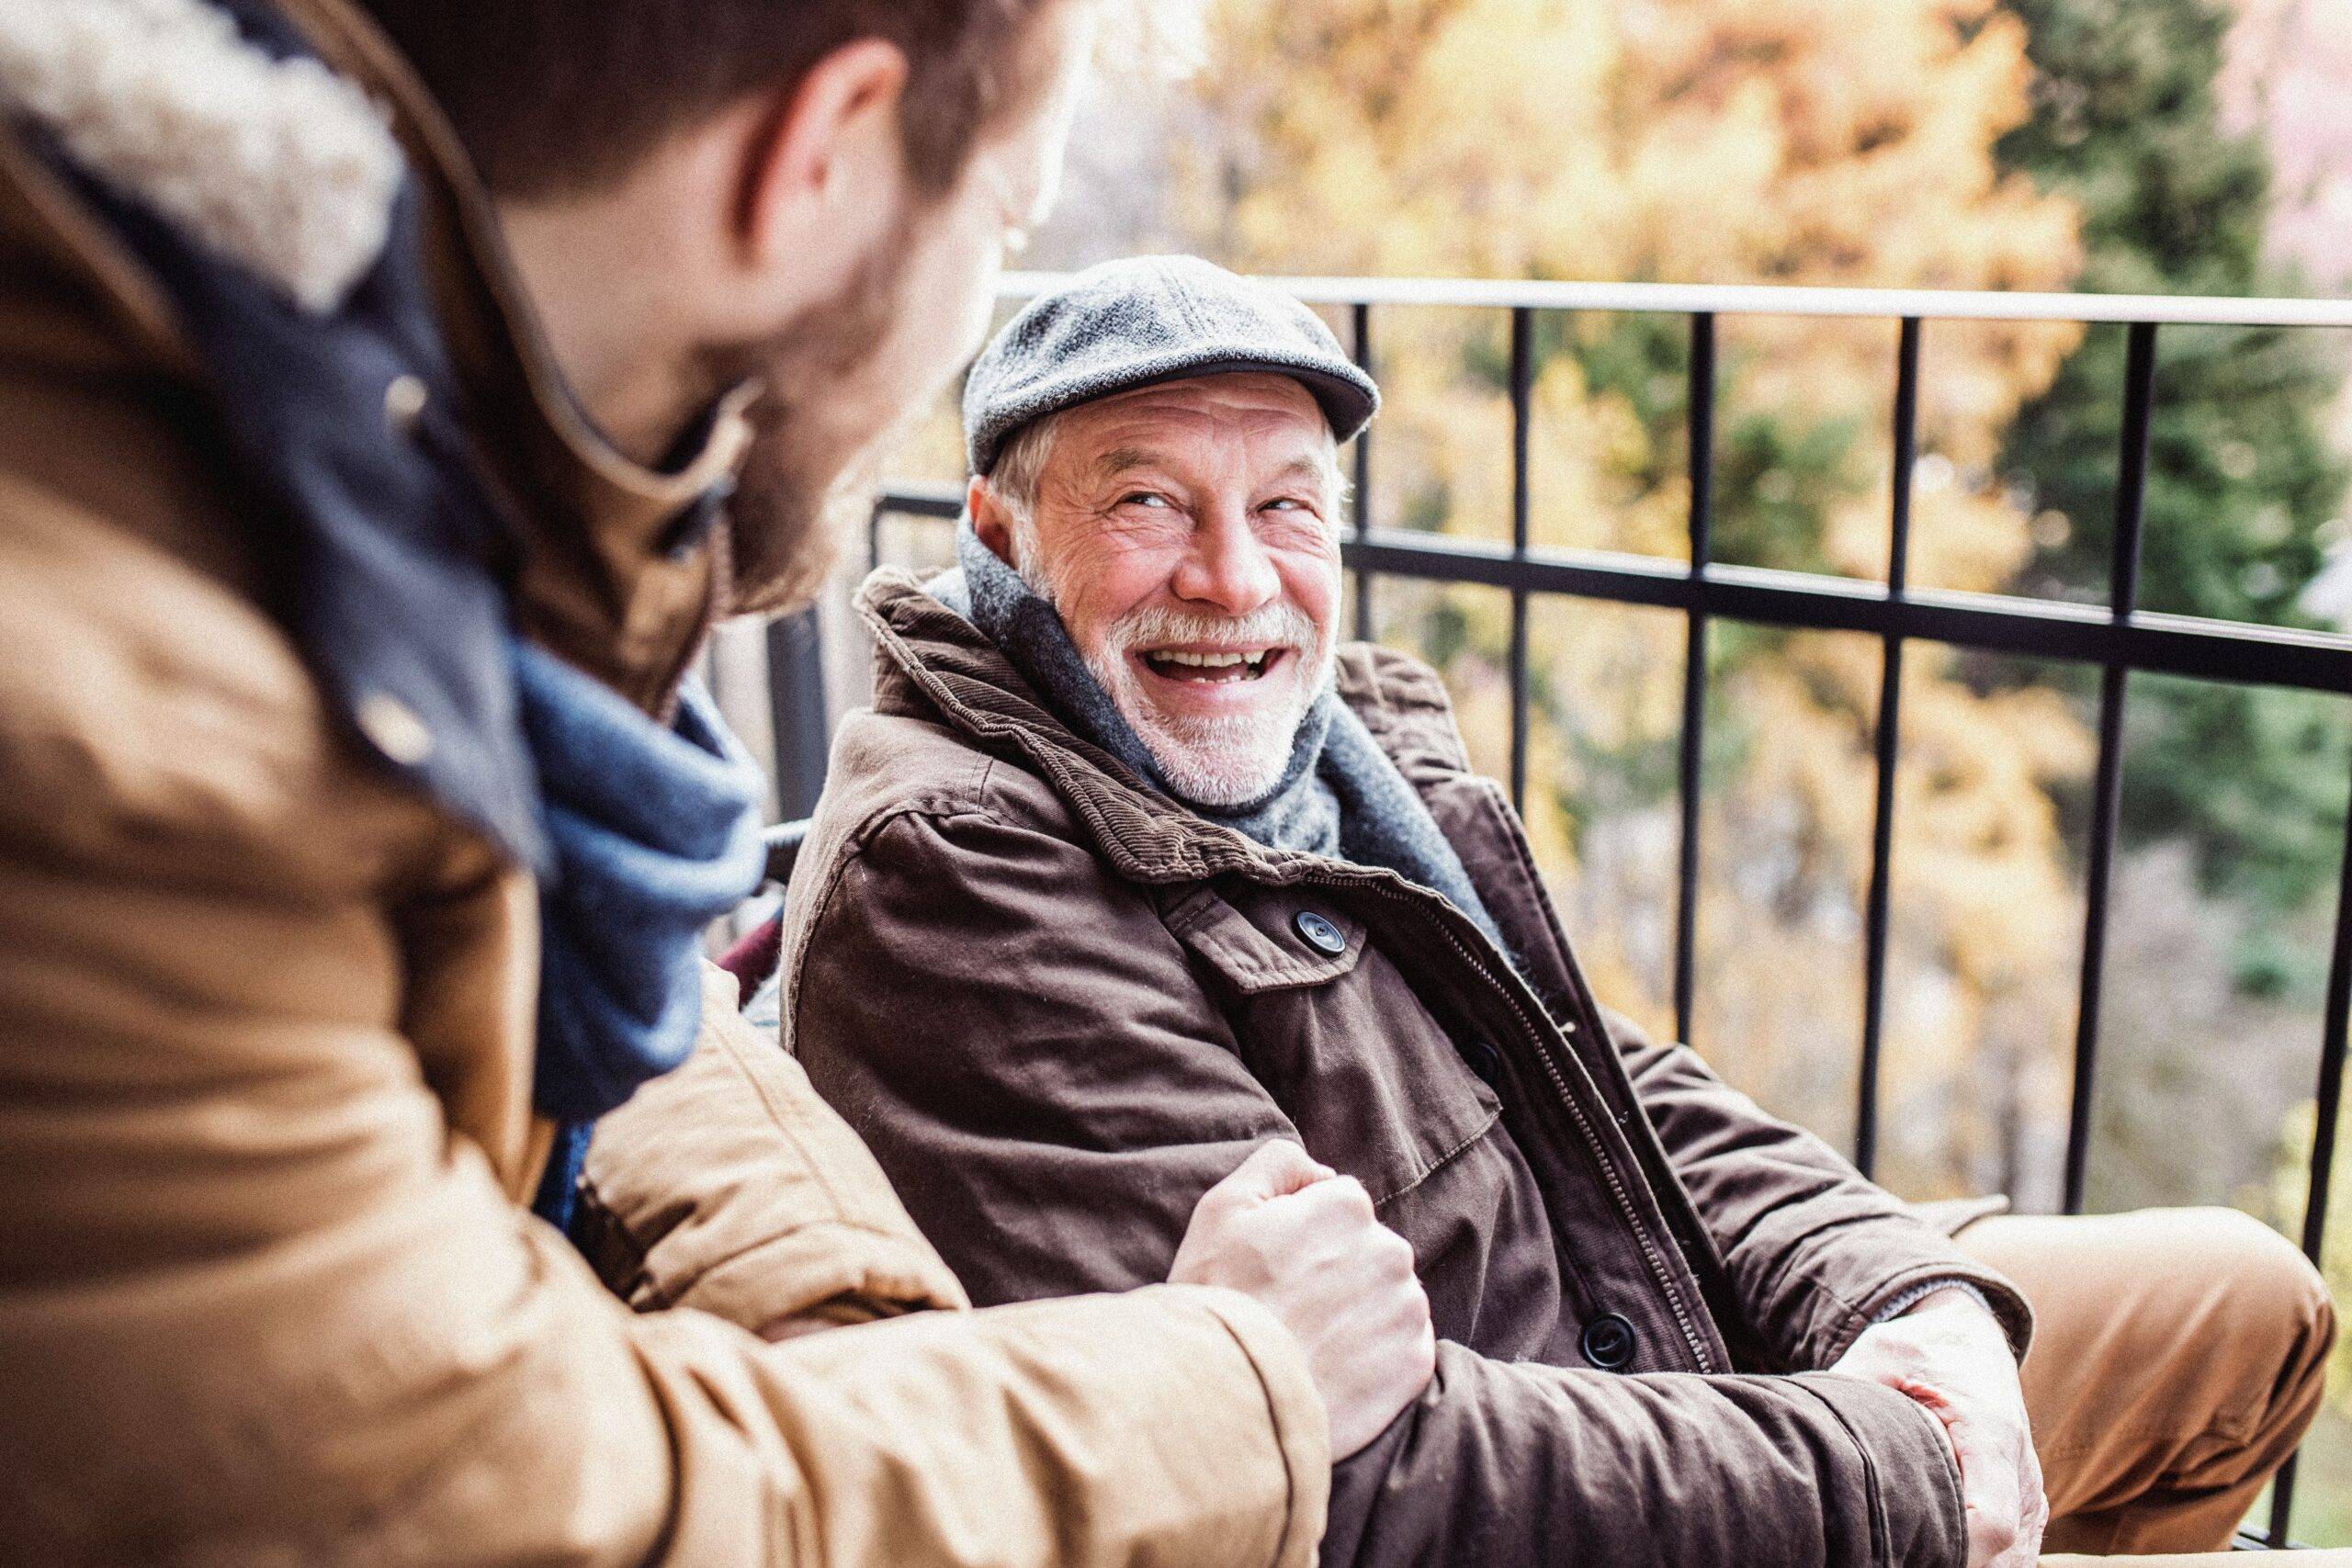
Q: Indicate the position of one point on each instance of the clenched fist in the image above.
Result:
(1303, 1241)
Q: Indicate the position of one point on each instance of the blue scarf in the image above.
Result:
(655, 834)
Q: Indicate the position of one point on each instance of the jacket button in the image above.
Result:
(404, 401)
(1486, 1062)
(1319, 933)
(394, 729)
(1609, 1342)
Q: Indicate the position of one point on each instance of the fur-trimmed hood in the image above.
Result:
(277, 164)
(284, 140)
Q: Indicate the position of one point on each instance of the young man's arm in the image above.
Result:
(728, 1186)
(1028, 1053)
(258, 1302)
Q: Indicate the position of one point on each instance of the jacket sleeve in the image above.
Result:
(728, 1186)
(1052, 1091)
(1816, 1251)
(1518, 1465)
(258, 1302)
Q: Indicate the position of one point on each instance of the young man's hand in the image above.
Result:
(1950, 1355)
(1302, 1240)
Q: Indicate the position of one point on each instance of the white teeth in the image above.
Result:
(1214, 668)
(1204, 661)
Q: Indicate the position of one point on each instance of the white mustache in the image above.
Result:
(1282, 625)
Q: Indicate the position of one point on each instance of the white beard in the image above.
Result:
(1215, 761)
(1225, 761)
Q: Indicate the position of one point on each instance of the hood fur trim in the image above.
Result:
(280, 166)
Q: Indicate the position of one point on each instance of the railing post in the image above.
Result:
(2328, 1111)
(1694, 662)
(1360, 513)
(1521, 381)
(796, 702)
(2123, 592)
(1888, 742)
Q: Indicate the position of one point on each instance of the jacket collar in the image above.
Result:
(924, 650)
(620, 570)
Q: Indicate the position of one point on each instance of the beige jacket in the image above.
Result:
(267, 1294)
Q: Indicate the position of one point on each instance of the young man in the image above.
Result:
(1158, 869)
(356, 836)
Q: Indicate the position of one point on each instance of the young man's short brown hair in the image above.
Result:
(556, 96)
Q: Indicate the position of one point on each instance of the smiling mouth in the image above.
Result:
(1219, 667)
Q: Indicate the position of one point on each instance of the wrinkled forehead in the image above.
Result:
(1250, 418)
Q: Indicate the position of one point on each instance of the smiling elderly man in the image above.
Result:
(1131, 868)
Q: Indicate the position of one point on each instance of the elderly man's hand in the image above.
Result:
(1302, 1240)
(1950, 1355)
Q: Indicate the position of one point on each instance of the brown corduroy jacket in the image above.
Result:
(1057, 1006)
(268, 1291)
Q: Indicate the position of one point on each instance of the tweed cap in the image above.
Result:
(1134, 324)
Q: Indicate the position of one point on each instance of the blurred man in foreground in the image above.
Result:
(1157, 871)
(357, 834)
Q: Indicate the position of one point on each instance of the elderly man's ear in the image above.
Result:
(990, 519)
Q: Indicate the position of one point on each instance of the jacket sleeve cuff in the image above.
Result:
(1919, 1292)
(1853, 1275)
(1906, 1290)
(1301, 1426)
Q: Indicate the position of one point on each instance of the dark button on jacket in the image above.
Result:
(1320, 933)
(1609, 1342)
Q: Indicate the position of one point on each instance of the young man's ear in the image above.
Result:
(820, 153)
(991, 521)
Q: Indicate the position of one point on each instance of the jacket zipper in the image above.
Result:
(1610, 1173)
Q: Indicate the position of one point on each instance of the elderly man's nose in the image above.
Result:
(1228, 568)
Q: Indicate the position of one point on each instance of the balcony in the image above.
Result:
(2103, 652)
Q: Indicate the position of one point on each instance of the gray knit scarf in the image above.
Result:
(1339, 796)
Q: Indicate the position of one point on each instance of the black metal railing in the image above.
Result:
(2117, 639)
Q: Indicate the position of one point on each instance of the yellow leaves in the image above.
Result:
(1980, 835)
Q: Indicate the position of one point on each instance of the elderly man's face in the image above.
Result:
(1187, 534)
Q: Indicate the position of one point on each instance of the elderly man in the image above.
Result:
(1131, 866)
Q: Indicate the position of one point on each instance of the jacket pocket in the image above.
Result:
(1319, 944)
(1329, 1027)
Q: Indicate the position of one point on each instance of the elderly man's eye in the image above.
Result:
(1143, 498)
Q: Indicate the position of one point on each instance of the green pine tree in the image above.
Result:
(2127, 123)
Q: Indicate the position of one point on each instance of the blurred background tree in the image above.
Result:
(2127, 124)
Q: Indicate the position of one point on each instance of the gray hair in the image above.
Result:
(1020, 464)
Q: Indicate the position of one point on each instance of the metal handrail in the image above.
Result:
(1774, 300)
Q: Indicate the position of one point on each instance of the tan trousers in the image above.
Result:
(2179, 1356)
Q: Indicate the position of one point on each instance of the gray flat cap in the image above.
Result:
(1134, 324)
